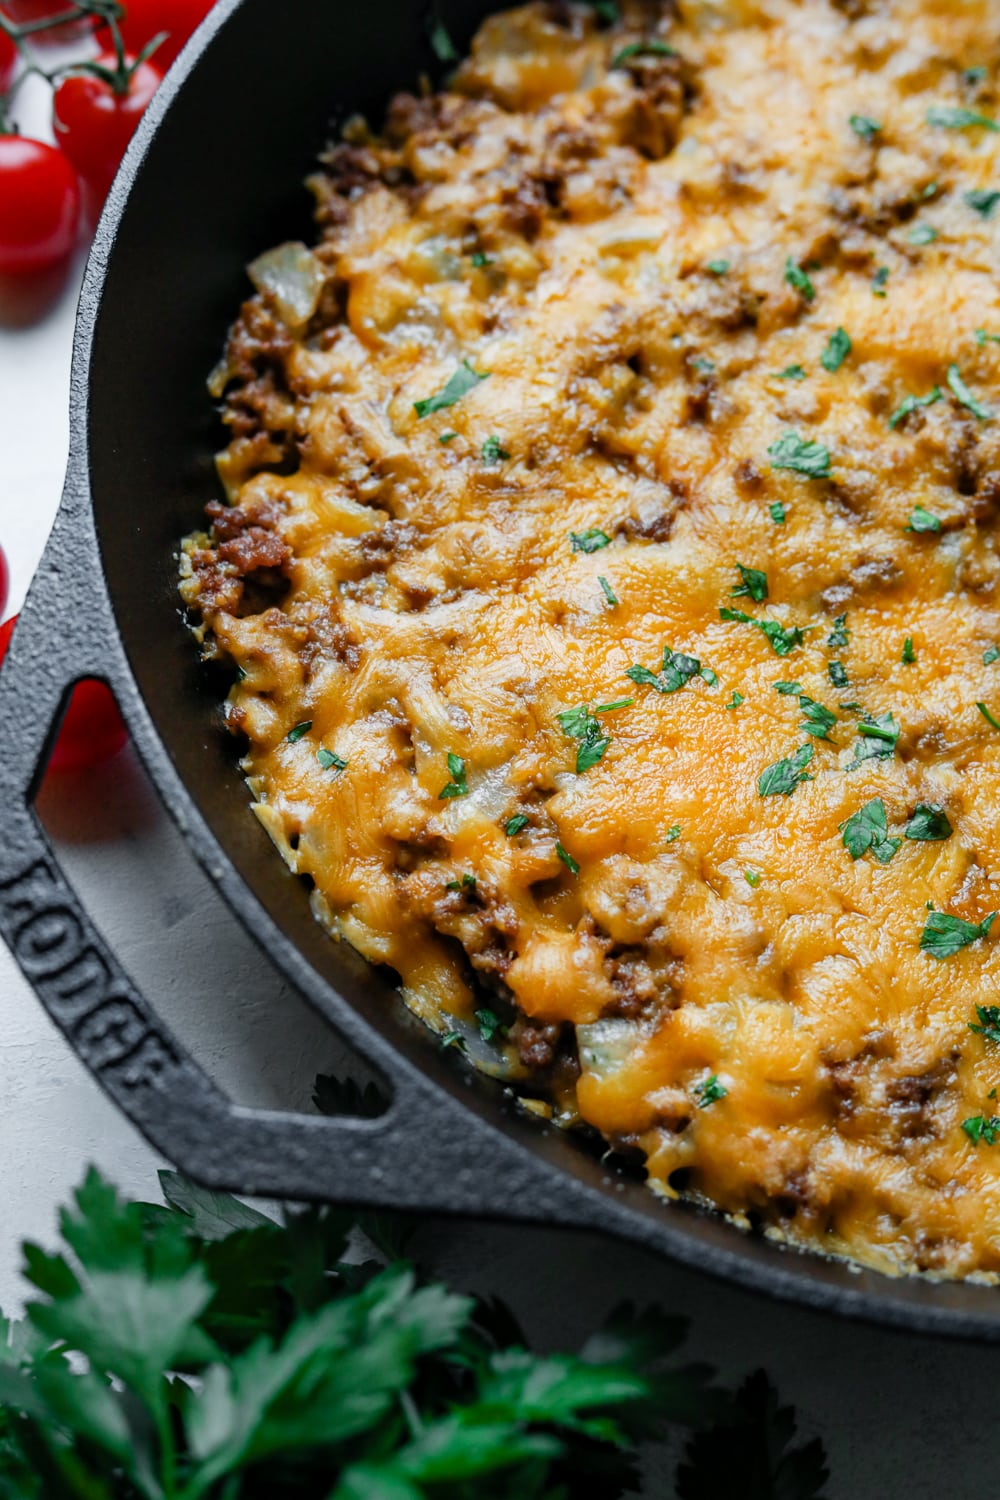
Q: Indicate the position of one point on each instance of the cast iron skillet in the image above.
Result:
(212, 179)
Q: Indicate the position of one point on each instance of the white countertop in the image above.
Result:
(903, 1418)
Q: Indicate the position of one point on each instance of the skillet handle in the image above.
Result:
(429, 1151)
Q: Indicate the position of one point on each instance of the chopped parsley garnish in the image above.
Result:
(880, 281)
(982, 337)
(591, 540)
(778, 512)
(294, 735)
(790, 372)
(328, 760)
(922, 234)
(717, 267)
(706, 366)
(458, 785)
(908, 655)
(987, 715)
(581, 725)
(781, 779)
(867, 829)
(837, 673)
(990, 655)
(929, 824)
(568, 860)
(490, 1025)
(876, 739)
(442, 46)
(241, 674)
(989, 1024)
(964, 396)
(839, 635)
(480, 259)
(673, 833)
(911, 403)
(735, 700)
(447, 437)
(791, 451)
(493, 451)
(707, 675)
(817, 720)
(642, 49)
(788, 689)
(607, 590)
(944, 935)
(677, 669)
(838, 347)
(797, 278)
(709, 1091)
(459, 385)
(606, 10)
(515, 824)
(865, 127)
(922, 520)
(753, 582)
(978, 1128)
(954, 117)
(453, 1039)
(783, 639)
(467, 883)
(983, 200)
(752, 879)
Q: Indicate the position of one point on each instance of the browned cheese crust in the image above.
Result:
(649, 366)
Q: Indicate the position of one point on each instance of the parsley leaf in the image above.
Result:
(735, 700)
(673, 833)
(783, 639)
(922, 234)
(458, 385)
(607, 590)
(493, 451)
(751, 1453)
(781, 779)
(922, 520)
(677, 669)
(838, 347)
(880, 281)
(329, 760)
(983, 200)
(944, 935)
(964, 396)
(929, 823)
(581, 725)
(480, 259)
(817, 720)
(837, 673)
(908, 655)
(515, 824)
(911, 403)
(953, 117)
(989, 1023)
(840, 635)
(788, 689)
(977, 1128)
(778, 512)
(865, 127)
(709, 1091)
(642, 49)
(752, 879)
(877, 739)
(987, 715)
(867, 829)
(490, 1025)
(754, 583)
(797, 278)
(791, 451)
(589, 541)
(294, 735)
(990, 655)
(983, 338)
(717, 267)
(790, 372)
(458, 786)
(467, 883)
(567, 859)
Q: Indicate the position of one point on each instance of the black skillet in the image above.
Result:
(212, 179)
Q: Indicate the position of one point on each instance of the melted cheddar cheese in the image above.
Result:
(668, 347)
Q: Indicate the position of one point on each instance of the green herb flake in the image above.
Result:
(642, 49)
(568, 860)
(908, 655)
(458, 786)
(580, 724)
(706, 366)
(515, 824)
(607, 591)
(452, 1039)
(591, 540)
(983, 200)
(802, 456)
(790, 372)
(945, 935)
(294, 735)
(752, 582)
(837, 673)
(954, 117)
(735, 700)
(709, 1091)
(912, 403)
(447, 437)
(867, 830)
(922, 234)
(987, 715)
(817, 720)
(797, 278)
(493, 451)
(877, 739)
(717, 267)
(983, 338)
(459, 384)
(676, 670)
(490, 1025)
(988, 1027)
(840, 635)
(864, 127)
(481, 259)
(990, 655)
(783, 639)
(788, 689)
(978, 1128)
(838, 347)
(929, 824)
(605, 10)
(330, 761)
(442, 46)
(673, 833)
(921, 520)
(752, 879)
(777, 512)
(964, 396)
(880, 281)
(466, 883)
(781, 778)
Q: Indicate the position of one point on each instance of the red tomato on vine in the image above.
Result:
(145, 19)
(91, 731)
(95, 112)
(41, 206)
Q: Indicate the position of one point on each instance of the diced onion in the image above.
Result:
(293, 278)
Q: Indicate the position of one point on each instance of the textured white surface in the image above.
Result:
(902, 1417)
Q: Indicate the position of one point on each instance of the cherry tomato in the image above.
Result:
(24, 11)
(92, 730)
(8, 60)
(93, 124)
(41, 205)
(147, 18)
